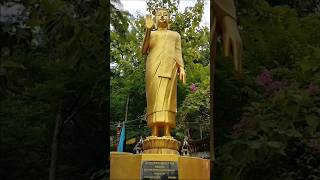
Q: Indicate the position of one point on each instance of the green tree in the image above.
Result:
(53, 79)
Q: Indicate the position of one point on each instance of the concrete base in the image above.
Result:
(129, 166)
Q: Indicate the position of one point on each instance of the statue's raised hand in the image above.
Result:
(149, 21)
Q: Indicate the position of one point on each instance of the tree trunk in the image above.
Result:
(54, 146)
(127, 107)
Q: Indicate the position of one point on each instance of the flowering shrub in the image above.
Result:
(194, 112)
(265, 80)
(313, 89)
(277, 135)
(193, 87)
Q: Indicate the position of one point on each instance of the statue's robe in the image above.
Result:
(226, 6)
(164, 59)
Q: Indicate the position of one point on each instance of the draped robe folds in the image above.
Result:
(226, 6)
(164, 59)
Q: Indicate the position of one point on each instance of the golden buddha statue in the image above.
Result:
(164, 65)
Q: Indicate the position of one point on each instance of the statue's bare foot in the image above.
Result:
(167, 130)
(155, 131)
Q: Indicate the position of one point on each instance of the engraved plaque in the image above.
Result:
(159, 170)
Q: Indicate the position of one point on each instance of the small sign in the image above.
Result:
(163, 170)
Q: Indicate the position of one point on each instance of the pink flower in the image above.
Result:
(193, 87)
(312, 89)
(264, 78)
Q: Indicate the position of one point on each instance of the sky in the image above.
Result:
(136, 7)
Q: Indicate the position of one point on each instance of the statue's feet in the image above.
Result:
(170, 137)
(167, 130)
(155, 131)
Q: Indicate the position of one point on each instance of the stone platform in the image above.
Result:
(127, 166)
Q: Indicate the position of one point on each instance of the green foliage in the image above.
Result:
(53, 56)
(270, 122)
(194, 112)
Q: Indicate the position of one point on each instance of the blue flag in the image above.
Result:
(122, 140)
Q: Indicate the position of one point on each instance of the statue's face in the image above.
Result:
(162, 18)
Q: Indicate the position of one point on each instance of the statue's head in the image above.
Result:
(162, 18)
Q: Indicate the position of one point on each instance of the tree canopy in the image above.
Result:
(53, 79)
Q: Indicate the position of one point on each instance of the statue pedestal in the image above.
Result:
(157, 166)
(161, 145)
